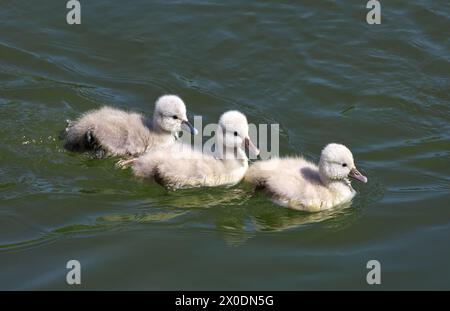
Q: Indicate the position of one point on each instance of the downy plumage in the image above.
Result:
(181, 166)
(119, 133)
(299, 184)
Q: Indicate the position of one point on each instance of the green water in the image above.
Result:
(315, 67)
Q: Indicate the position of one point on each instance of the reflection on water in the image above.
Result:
(236, 223)
(221, 196)
(285, 219)
(140, 218)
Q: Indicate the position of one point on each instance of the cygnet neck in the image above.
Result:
(157, 128)
(330, 182)
(335, 184)
(225, 153)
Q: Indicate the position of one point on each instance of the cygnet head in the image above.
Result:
(336, 163)
(170, 115)
(232, 132)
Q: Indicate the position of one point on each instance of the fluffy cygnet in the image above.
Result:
(181, 166)
(300, 184)
(120, 133)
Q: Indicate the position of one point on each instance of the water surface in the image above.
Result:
(315, 67)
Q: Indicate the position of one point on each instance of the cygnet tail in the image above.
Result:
(78, 139)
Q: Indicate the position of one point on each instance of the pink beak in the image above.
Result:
(251, 147)
(354, 173)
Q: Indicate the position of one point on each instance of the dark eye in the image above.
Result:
(175, 117)
(235, 134)
(344, 164)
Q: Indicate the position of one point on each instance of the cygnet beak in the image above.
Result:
(354, 173)
(188, 127)
(250, 146)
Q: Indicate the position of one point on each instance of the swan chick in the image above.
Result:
(299, 184)
(181, 166)
(120, 133)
